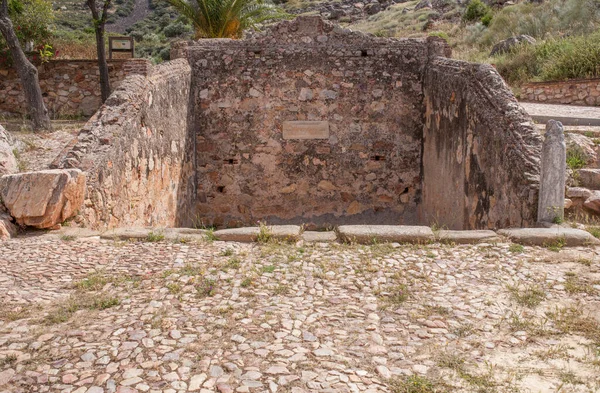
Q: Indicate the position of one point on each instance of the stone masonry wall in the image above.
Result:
(70, 87)
(136, 152)
(309, 123)
(573, 92)
(480, 153)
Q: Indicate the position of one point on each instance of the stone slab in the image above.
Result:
(319, 237)
(367, 234)
(589, 178)
(127, 233)
(140, 233)
(250, 234)
(547, 236)
(305, 130)
(467, 237)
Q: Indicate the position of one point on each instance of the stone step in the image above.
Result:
(570, 237)
(467, 237)
(141, 233)
(369, 234)
(252, 234)
(319, 237)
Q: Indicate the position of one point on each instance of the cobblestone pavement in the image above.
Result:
(90, 315)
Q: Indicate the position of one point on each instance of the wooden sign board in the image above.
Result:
(120, 44)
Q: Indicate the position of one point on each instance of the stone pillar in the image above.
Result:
(552, 175)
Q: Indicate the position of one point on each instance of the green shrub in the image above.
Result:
(553, 59)
(575, 159)
(476, 9)
(441, 34)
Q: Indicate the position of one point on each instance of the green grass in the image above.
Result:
(233, 263)
(412, 384)
(269, 269)
(575, 159)
(246, 282)
(529, 297)
(63, 312)
(574, 285)
(556, 245)
(516, 248)
(594, 231)
(155, 237)
(396, 295)
(227, 253)
(205, 288)
(93, 282)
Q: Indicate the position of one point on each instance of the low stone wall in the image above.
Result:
(70, 87)
(573, 92)
(134, 151)
(480, 153)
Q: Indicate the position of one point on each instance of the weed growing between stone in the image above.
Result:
(155, 237)
(529, 297)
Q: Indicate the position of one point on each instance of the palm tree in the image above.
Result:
(226, 18)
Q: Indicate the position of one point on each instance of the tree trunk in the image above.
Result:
(27, 73)
(102, 64)
(99, 23)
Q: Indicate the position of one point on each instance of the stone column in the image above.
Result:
(552, 175)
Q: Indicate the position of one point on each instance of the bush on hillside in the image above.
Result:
(552, 18)
(554, 59)
(477, 10)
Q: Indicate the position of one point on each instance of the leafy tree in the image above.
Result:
(226, 18)
(28, 73)
(99, 17)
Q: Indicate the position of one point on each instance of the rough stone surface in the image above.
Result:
(136, 153)
(475, 135)
(70, 87)
(202, 143)
(467, 237)
(7, 227)
(508, 44)
(583, 145)
(45, 198)
(551, 198)
(578, 192)
(589, 178)
(312, 318)
(367, 234)
(251, 234)
(8, 162)
(592, 202)
(319, 237)
(352, 105)
(585, 92)
(549, 236)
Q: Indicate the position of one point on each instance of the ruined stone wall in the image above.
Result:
(573, 92)
(70, 87)
(136, 152)
(309, 123)
(480, 150)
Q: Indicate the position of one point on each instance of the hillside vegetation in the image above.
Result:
(567, 32)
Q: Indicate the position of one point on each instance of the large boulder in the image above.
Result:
(45, 198)
(7, 228)
(582, 146)
(508, 44)
(8, 162)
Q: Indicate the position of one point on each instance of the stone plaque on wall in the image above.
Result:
(305, 130)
